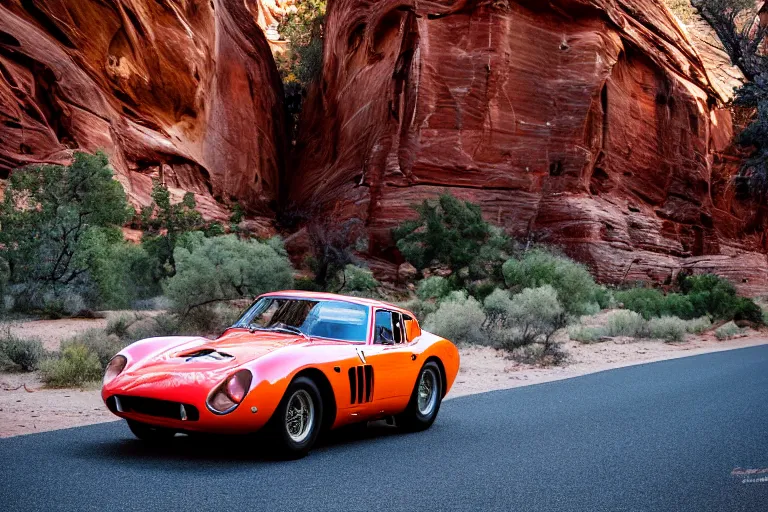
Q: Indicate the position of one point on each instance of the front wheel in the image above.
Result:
(297, 420)
(149, 433)
(425, 400)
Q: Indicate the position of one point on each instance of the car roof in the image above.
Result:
(301, 294)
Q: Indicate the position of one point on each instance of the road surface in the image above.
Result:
(672, 436)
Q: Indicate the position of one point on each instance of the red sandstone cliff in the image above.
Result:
(183, 88)
(593, 124)
(586, 123)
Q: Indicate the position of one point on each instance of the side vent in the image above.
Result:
(361, 384)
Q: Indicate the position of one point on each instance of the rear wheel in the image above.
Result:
(149, 433)
(425, 400)
(297, 420)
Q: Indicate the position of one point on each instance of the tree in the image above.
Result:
(225, 268)
(452, 232)
(737, 24)
(48, 212)
(164, 222)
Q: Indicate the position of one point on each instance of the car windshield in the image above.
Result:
(332, 319)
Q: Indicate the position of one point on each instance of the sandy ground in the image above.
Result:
(27, 407)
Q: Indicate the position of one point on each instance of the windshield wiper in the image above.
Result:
(288, 328)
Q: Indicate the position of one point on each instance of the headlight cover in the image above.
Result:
(115, 366)
(227, 396)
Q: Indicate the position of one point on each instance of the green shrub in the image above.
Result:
(419, 308)
(209, 320)
(727, 331)
(165, 324)
(626, 323)
(459, 318)
(226, 268)
(575, 286)
(534, 314)
(97, 342)
(586, 335)
(667, 328)
(433, 288)
(498, 307)
(650, 303)
(120, 325)
(76, 366)
(712, 295)
(358, 279)
(26, 353)
(604, 297)
(698, 325)
(454, 233)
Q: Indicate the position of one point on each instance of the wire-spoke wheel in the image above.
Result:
(425, 400)
(296, 422)
(299, 416)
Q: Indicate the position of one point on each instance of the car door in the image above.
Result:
(392, 358)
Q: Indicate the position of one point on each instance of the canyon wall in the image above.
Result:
(595, 125)
(591, 124)
(182, 91)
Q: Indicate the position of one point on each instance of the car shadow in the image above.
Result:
(186, 450)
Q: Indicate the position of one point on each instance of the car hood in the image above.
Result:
(199, 355)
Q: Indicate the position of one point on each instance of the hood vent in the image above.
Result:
(206, 354)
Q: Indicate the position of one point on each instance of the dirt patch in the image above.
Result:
(27, 407)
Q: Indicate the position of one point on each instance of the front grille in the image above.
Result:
(361, 384)
(152, 407)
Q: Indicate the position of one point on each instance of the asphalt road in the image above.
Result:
(665, 436)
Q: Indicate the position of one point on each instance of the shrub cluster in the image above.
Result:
(632, 325)
(701, 295)
(23, 353)
(77, 366)
(727, 331)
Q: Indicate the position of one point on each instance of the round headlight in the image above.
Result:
(228, 395)
(115, 366)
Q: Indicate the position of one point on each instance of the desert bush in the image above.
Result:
(104, 346)
(226, 268)
(667, 328)
(576, 289)
(626, 323)
(498, 307)
(604, 297)
(459, 318)
(727, 331)
(76, 366)
(165, 324)
(209, 320)
(534, 316)
(420, 308)
(586, 335)
(698, 325)
(48, 209)
(120, 324)
(453, 233)
(25, 353)
(357, 279)
(650, 303)
(433, 288)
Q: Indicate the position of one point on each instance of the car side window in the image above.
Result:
(397, 322)
(383, 329)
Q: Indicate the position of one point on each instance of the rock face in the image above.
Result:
(591, 124)
(183, 91)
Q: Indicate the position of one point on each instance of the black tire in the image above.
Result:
(149, 433)
(413, 419)
(301, 390)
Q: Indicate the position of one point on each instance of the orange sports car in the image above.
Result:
(296, 363)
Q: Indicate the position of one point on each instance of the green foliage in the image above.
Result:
(226, 268)
(303, 29)
(650, 302)
(626, 323)
(698, 325)
(47, 214)
(535, 315)
(76, 366)
(453, 233)
(574, 285)
(585, 334)
(433, 288)
(358, 279)
(25, 353)
(119, 326)
(164, 223)
(682, 9)
(727, 331)
(667, 328)
(736, 24)
(97, 342)
(458, 318)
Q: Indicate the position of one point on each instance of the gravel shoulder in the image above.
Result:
(26, 406)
